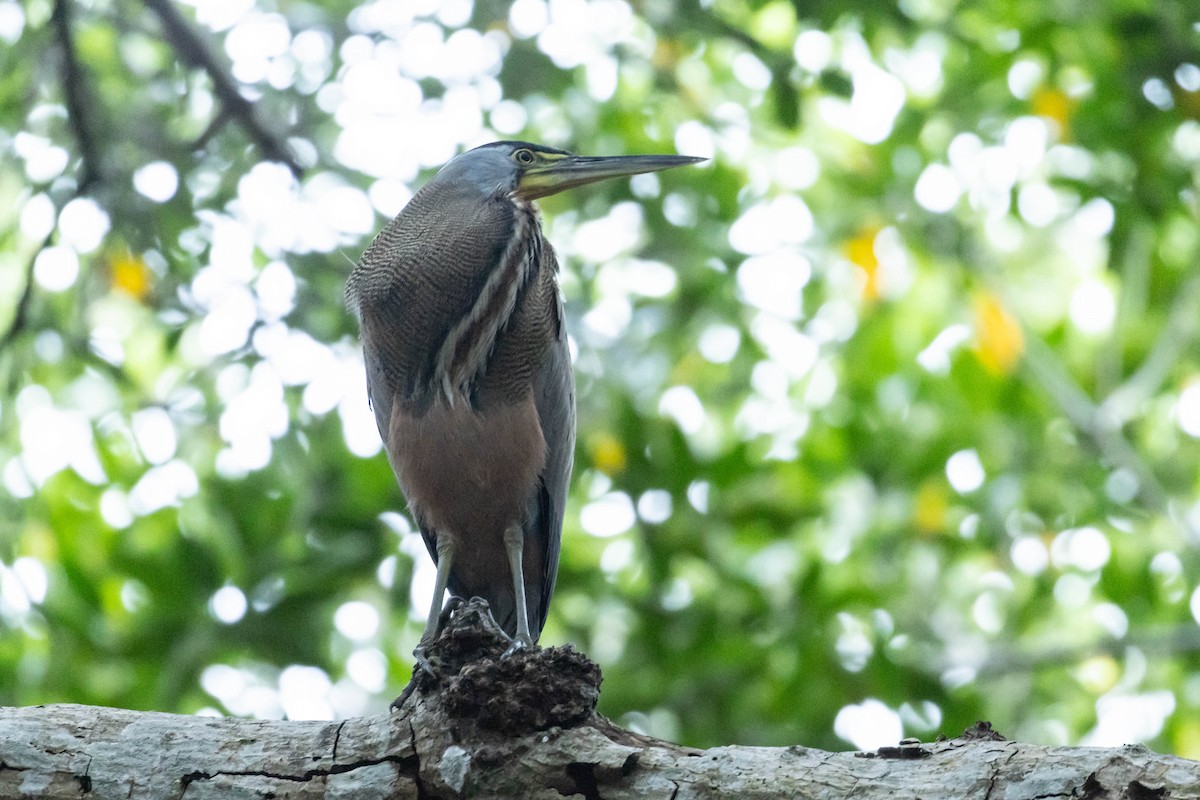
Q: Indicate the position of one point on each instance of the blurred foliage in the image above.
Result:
(902, 385)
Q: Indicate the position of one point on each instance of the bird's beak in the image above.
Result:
(570, 171)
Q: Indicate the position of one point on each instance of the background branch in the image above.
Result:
(79, 102)
(192, 49)
(80, 107)
(1173, 341)
(20, 318)
(1090, 419)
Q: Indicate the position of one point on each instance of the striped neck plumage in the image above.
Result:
(464, 354)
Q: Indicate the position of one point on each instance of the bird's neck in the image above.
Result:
(463, 357)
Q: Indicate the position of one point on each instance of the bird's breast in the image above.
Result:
(468, 471)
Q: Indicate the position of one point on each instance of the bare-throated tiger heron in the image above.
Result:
(469, 375)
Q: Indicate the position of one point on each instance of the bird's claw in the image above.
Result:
(406, 693)
(421, 663)
(477, 603)
(518, 644)
(422, 666)
(453, 603)
(422, 670)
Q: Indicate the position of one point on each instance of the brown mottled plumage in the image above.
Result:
(469, 374)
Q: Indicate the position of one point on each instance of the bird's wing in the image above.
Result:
(554, 396)
(380, 392)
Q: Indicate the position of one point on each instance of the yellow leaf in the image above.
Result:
(129, 274)
(999, 342)
(608, 454)
(1054, 104)
(930, 504)
(860, 251)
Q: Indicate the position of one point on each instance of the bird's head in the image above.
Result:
(530, 171)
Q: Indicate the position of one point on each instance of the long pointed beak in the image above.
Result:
(571, 171)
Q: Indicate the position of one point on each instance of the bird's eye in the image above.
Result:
(524, 157)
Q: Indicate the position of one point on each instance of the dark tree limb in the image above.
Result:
(192, 50)
(81, 106)
(523, 727)
(80, 103)
(81, 116)
(20, 319)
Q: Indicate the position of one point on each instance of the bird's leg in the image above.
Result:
(514, 545)
(445, 551)
(437, 618)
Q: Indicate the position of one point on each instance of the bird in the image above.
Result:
(469, 373)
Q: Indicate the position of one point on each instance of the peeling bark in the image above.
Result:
(481, 726)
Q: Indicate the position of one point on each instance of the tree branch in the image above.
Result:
(492, 727)
(1175, 339)
(1091, 420)
(192, 49)
(79, 102)
(20, 318)
(80, 105)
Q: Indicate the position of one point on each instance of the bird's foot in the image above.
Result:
(518, 644)
(424, 671)
(421, 663)
(454, 603)
(406, 693)
(477, 603)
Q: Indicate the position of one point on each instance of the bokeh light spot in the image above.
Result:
(157, 181)
(609, 515)
(227, 605)
(869, 725)
(56, 268)
(356, 620)
(965, 471)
